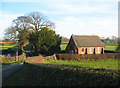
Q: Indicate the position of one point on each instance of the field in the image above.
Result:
(107, 47)
(6, 46)
(63, 46)
(110, 48)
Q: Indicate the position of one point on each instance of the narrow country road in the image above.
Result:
(7, 70)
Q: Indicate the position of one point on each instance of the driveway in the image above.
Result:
(7, 70)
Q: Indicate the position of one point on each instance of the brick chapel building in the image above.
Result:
(85, 44)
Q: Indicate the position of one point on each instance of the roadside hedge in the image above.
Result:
(11, 59)
(79, 57)
(48, 58)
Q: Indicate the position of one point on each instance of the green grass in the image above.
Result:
(110, 48)
(63, 46)
(111, 44)
(106, 64)
(65, 42)
(6, 46)
(13, 62)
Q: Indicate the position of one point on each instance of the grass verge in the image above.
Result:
(13, 62)
(105, 64)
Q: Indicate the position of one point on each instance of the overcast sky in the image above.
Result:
(80, 17)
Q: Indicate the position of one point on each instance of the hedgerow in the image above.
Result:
(79, 57)
(68, 75)
(13, 58)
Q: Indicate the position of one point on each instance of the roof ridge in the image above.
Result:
(87, 35)
(87, 40)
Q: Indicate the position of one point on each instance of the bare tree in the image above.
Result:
(10, 33)
(21, 26)
(37, 21)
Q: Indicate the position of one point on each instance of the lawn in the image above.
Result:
(110, 48)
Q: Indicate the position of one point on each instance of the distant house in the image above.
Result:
(85, 44)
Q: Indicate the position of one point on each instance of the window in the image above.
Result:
(98, 49)
(82, 50)
(90, 50)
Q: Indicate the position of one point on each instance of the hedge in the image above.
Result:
(48, 58)
(79, 57)
(11, 59)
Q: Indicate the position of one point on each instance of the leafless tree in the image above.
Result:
(37, 21)
(10, 33)
(34, 21)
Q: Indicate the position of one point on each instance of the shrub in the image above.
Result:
(11, 59)
(48, 58)
(79, 57)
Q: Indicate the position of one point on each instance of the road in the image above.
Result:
(7, 70)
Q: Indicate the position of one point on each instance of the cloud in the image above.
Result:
(85, 8)
(87, 26)
(97, 17)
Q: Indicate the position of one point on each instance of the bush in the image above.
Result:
(48, 58)
(11, 59)
(79, 57)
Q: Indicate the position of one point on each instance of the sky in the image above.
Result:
(78, 17)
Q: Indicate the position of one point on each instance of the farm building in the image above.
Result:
(85, 44)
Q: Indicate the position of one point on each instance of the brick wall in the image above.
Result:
(94, 49)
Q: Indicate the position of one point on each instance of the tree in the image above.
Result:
(23, 25)
(48, 42)
(23, 38)
(10, 33)
(65, 39)
(38, 21)
(33, 20)
(33, 39)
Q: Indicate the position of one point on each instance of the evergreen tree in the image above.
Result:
(46, 41)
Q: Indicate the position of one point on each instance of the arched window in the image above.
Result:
(91, 51)
(82, 50)
(98, 49)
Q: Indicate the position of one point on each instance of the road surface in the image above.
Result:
(7, 70)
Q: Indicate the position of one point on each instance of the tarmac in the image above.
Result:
(7, 70)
